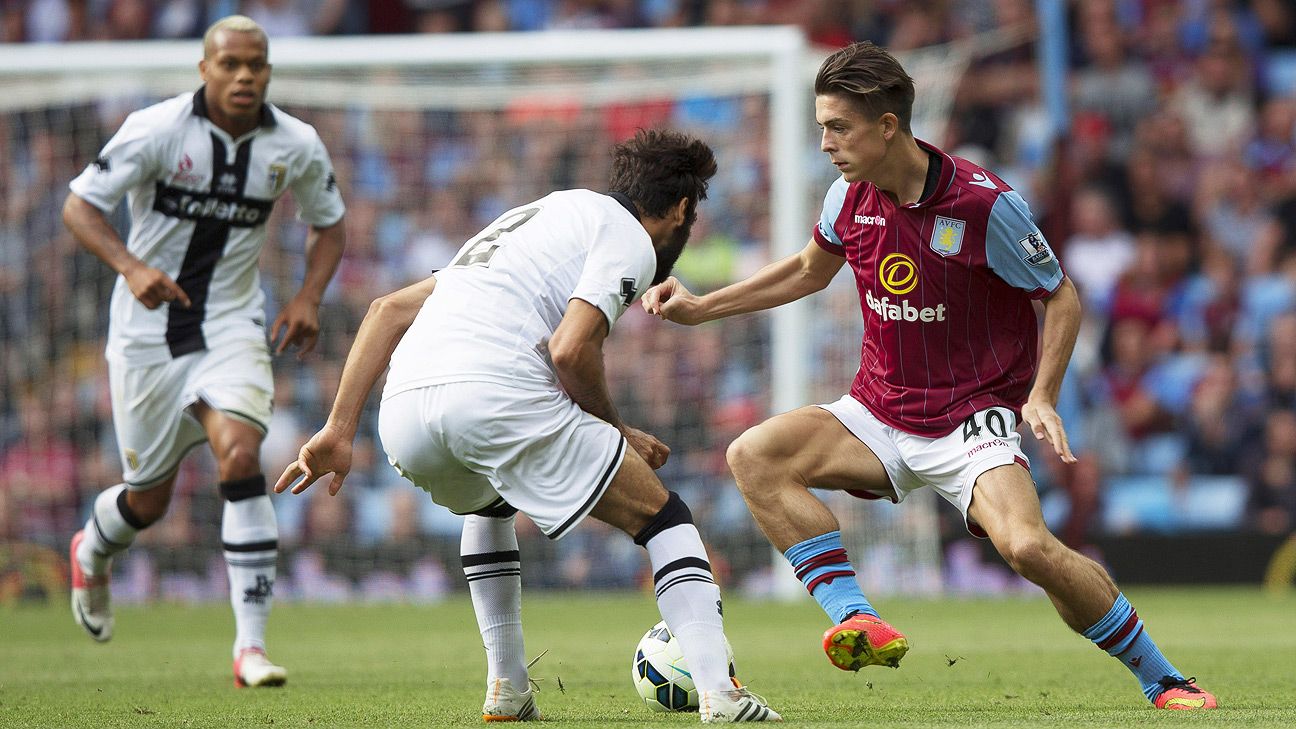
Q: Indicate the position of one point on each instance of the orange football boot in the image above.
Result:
(1183, 694)
(864, 640)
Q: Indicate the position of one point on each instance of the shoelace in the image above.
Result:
(1185, 684)
(744, 692)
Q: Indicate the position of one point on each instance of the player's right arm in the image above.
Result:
(129, 160)
(778, 283)
(329, 450)
(90, 227)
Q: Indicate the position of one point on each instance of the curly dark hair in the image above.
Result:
(872, 79)
(657, 167)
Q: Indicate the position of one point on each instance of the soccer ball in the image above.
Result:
(660, 674)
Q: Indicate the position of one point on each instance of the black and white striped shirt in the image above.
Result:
(199, 200)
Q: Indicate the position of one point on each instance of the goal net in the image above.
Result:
(432, 137)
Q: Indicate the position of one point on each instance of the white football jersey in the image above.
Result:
(199, 200)
(494, 308)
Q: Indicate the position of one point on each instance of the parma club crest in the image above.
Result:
(947, 236)
(278, 176)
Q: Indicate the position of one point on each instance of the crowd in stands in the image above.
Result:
(1171, 201)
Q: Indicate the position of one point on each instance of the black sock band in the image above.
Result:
(243, 488)
(127, 514)
(673, 514)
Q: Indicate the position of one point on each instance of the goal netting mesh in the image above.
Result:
(431, 138)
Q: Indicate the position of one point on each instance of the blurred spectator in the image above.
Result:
(1218, 427)
(1273, 476)
(1147, 204)
(1099, 250)
(1277, 19)
(38, 474)
(1272, 150)
(1212, 304)
(127, 20)
(1217, 104)
(1112, 84)
(179, 18)
(1235, 217)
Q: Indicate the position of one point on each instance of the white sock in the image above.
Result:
(689, 602)
(491, 563)
(250, 536)
(111, 529)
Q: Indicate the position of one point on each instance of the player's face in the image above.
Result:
(236, 71)
(670, 251)
(854, 143)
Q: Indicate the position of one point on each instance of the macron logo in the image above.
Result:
(877, 220)
(980, 180)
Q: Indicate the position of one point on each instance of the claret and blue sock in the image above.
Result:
(823, 567)
(1121, 634)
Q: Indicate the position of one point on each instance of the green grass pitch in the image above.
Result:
(973, 663)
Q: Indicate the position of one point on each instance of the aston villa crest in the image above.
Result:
(947, 236)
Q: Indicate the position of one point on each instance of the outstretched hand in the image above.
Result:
(671, 301)
(328, 451)
(1046, 424)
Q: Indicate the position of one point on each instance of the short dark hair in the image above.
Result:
(869, 77)
(657, 167)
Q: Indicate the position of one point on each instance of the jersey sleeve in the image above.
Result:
(619, 268)
(319, 203)
(130, 159)
(1016, 249)
(824, 233)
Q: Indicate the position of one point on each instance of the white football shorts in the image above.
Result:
(478, 445)
(150, 404)
(950, 464)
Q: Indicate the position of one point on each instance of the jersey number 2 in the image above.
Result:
(480, 251)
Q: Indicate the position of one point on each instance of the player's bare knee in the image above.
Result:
(240, 460)
(1030, 555)
(748, 456)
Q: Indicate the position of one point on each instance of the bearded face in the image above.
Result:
(668, 254)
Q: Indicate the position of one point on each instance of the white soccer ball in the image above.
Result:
(660, 674)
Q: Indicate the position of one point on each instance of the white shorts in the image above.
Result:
(150, 404)
(950, 464)
(478, 445)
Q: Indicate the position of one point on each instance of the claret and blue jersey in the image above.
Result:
(945, 287)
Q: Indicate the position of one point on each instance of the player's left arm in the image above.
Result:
(320, 205)
(1061, 326)
(299, 319)
(1019, 255)
(329, 450)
